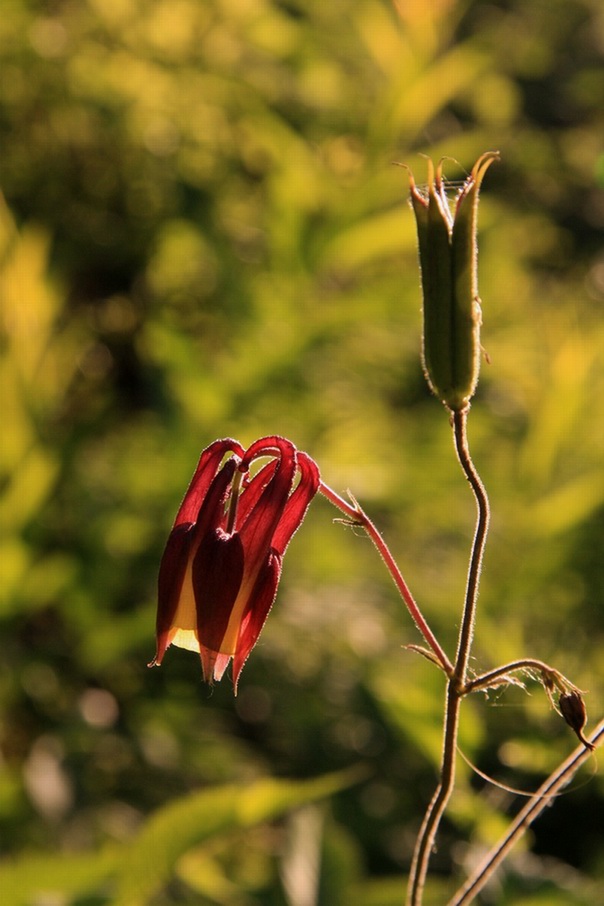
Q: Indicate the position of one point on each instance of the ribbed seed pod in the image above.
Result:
(451, 307)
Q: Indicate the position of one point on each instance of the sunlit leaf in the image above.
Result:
(189, 821)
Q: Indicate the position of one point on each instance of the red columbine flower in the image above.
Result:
(222, 563)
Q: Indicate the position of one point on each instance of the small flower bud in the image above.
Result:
(573, 711)
(448, 261)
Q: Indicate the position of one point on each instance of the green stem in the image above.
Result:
(429, 829)
(466, 634)
(427, 833)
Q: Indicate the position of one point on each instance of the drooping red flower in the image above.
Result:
(221, 566)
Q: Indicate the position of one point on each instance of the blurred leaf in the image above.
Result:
(202, 872)
(187, 822)
(35, 879)
(567, 505)
(391, 892)
(380, 235)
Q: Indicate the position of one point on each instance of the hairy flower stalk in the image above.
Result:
(451, 359)
(451, 306)
(222, 563)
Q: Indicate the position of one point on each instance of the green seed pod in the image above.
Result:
(451, 307)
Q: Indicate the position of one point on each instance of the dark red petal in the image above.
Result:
(211, 514)
(217, 574)
(272, 445)
(171, 574)
(181, 546)
(209, 461)
(263, 518)
(253, 489)
(256, 612)
(298, 503)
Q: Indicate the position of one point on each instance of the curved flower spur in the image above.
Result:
(221, 566)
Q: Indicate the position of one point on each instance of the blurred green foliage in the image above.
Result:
(204, 236)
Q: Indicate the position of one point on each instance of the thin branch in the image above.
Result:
(550, 675)
(533, 808)
(356, 516)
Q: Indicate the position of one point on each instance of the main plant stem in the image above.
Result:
(457, 680)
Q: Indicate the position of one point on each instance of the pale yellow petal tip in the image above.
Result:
(185, 638)
(213, 664)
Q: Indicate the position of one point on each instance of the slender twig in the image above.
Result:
(356, 516)
(525, 817)
(429, 829)
(527, 664)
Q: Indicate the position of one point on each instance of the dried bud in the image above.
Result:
(573, 711)
(451, 307)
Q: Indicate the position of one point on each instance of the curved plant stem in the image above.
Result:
(457, 680)
(466, 634)
(356, 516)
(528, 665)
(525, 817)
